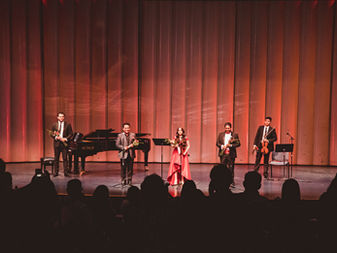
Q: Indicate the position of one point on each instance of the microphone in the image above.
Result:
(292, 138)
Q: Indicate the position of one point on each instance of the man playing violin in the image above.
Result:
(61, 132)
(227, 142)
(264, 144)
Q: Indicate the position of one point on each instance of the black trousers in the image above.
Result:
(127, 168)
(60, 148)
(228, 161)
(258, 160)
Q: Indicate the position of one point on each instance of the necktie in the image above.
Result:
(265, 132)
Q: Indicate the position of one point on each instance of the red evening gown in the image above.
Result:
(179, 169)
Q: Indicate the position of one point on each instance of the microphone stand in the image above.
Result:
(291, 153)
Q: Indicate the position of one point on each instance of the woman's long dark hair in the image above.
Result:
(177, 134)
(181, 142)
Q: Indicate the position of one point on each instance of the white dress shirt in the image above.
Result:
(61, 128)
(265, 131)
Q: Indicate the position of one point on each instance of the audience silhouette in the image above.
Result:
(76, 220)
(148, 219)
(327, 217)
(2, 166)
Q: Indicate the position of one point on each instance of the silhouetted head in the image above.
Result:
(101, 192)
(188, 189)
(133, 194)
(153, 188)
(291, 190)
(221, 179)
(42, 185)
(6, 183)
(74, 188)
(2, 166)
(332, 189)
(252, 181)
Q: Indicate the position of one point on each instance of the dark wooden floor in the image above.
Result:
(313, 180)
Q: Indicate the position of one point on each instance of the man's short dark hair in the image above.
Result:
(228, 124)
(125, 123)
(268, 118)
(60, 113)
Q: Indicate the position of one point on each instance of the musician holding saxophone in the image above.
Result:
(227, 142)
(61, 131)
(264, 144)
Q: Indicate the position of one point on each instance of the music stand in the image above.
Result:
(161, 142)
(285, 148)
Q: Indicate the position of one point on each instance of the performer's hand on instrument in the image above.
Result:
(266, 140)
(63, 139)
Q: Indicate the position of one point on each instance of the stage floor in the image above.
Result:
(313, 180)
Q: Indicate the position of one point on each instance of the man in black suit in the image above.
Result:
(265, 136)
(61, 132)
(227, 142)
(125, 143)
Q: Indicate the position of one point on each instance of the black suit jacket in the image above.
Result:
(271, 137)
(235, 144)
(67, 132)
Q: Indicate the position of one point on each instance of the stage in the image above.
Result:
(313, 180)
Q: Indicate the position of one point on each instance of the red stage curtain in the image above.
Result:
(161, 65)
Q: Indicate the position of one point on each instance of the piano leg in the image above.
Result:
(146, 158)
(82, 165)
(76, 171)
(70, 160)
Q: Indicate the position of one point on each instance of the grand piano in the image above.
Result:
(99, 141)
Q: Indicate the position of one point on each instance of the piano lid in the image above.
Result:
(142, 134)
(100, 133)
(107, 133)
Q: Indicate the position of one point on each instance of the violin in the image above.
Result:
(264, 148)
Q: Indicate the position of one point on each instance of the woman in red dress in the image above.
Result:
(179, 169)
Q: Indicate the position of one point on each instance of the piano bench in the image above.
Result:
(48, 161)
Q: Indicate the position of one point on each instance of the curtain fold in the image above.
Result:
(160, 65)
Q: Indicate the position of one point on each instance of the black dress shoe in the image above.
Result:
(66, 175)
(265, 174)
(56, 174)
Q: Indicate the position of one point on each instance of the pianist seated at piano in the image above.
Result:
(126, 142)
